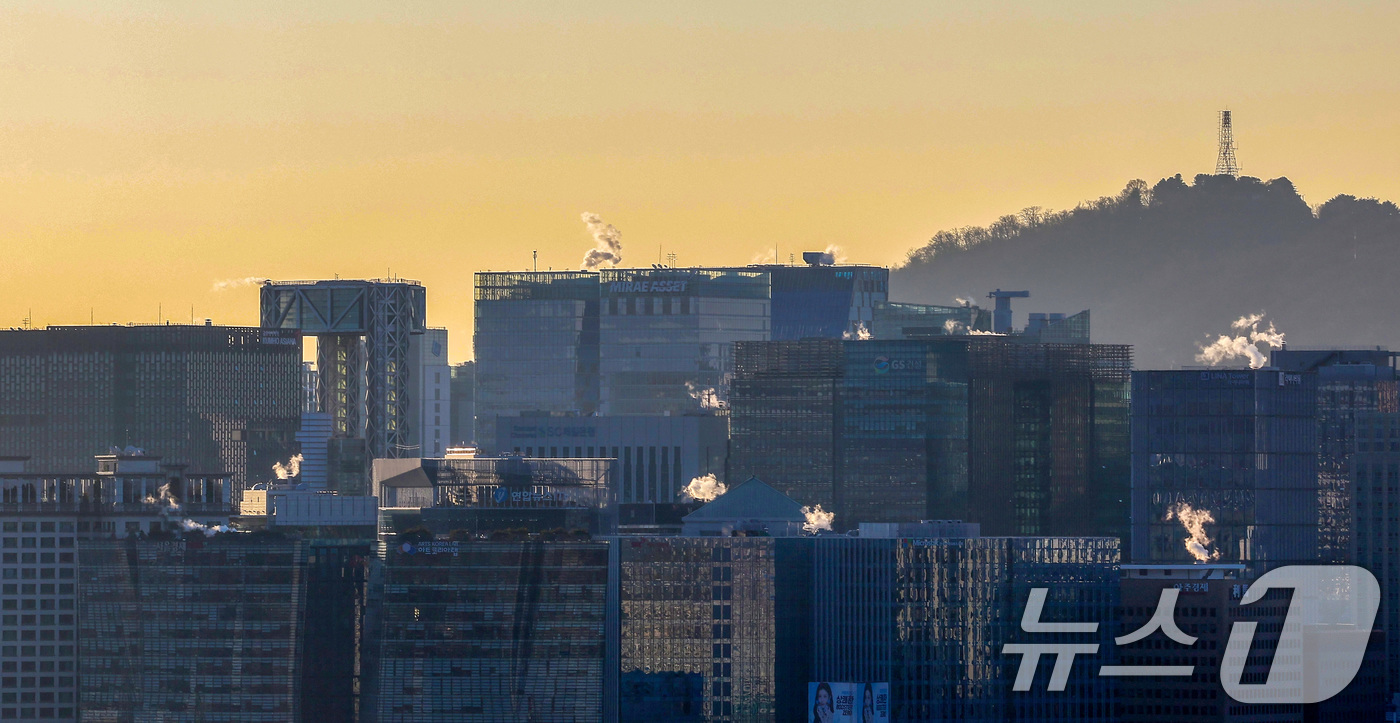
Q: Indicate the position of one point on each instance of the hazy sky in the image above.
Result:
(152, 149)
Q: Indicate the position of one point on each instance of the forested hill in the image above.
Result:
(1163, 268)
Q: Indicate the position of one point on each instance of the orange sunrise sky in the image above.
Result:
(155, 149)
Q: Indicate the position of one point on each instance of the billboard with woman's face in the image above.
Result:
(831, 702)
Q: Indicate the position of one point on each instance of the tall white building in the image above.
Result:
(430, 400)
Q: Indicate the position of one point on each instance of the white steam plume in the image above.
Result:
(861, 333)
(166, 498)
(837, 254)
(208, 530)
(767, 256)
(607, 241)
(963, 300)
(1245, 344)
(953, 327)
(817, 520)
(171, 506)
(230, 284)
(704, 489)
(1195, 521)
(291, 469)
(707, 396)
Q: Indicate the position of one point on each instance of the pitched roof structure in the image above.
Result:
(751, 500)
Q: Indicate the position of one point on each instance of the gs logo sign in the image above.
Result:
(885, 365)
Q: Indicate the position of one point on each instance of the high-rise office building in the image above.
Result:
(1240, 445)
(652, 341)
(536, 345)
(697, 636)
(1375, 525)
(1349, 382)
(902, 429)
(743, 628)
(463, 404)
(43, 518)
(783, 416)
(215, 398)
(484, 494)
(285, 615)
(430, 395)
(818, 299)
(1207, 607)
(657, 455)
(1021, 437)
(667, 336)
(494, 631)
(363, 331)
(929, 618)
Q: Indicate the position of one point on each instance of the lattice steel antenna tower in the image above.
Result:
(1225, 163)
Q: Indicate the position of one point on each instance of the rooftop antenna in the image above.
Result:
(1225, 163)
(671, 259)
(536, 256)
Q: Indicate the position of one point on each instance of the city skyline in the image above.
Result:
(176, 149)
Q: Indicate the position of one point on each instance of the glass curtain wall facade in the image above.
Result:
(667, 336)
(697, 629)
(930, 616)
(891, 320)
(1375, 542)
(493, 631)
(1048, 433)
(1349, 383)
(1241, 445)
(1024, 438)
(463, 403)
(901, 432)
(216, 398)
(537, 344)
(783, 414)
(823, 301)
(198, 630)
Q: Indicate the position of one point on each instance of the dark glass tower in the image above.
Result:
(493, 631)
(819, 300)
(1024, 438)
(285, 616)
(216, 398)
(1241, 445)
(536, 346)
(1349, 383)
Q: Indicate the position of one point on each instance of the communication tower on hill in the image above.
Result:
(1225, 163)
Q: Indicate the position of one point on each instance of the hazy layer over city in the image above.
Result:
(158, 154)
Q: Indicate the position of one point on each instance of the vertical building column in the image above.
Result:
(340, 360)
(387, 420)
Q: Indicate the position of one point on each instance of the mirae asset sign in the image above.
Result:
(647, 287)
